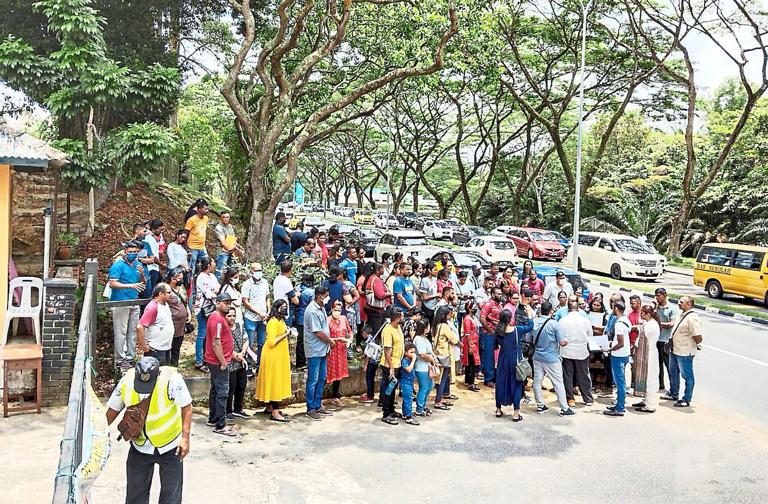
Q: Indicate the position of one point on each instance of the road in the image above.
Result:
(713, 452)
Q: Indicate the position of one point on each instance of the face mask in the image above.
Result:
(336, 314)
(234, 281)
(257, 275)
(131, 256)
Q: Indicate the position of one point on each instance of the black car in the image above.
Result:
(463, 234)
(418, 222)
(407, 219)
(367, 238)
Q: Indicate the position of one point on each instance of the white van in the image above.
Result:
(619, 256)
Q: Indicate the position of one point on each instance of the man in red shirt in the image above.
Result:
(489, 317)
(219, 347)
(535, 285)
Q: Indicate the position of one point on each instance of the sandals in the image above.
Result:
(518, 418)
(226, 431)
(275, 419)
(645, 409)
(202, 368)
(499, 413)
(443, 407)
(452, 397)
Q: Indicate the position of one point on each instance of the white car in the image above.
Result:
(313, 221)
(493, 248)
(504, 231)
(619, 256)
(409, 242)
(381, 221)
(438, 230)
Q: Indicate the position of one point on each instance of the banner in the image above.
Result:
(298, 193)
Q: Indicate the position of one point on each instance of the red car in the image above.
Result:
(533, 243)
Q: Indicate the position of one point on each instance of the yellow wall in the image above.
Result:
(5, 235)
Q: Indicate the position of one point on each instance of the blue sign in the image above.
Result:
(298, 193)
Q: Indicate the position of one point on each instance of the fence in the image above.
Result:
(84, 446)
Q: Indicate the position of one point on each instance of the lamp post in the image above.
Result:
(577, 195)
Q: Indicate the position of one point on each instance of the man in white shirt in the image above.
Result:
(155, 329)
(282, 288)
(164, 438)
(255, 292)
(576, 329)
(619, 357)
(552, 289)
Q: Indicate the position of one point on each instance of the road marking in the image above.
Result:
(753, 361)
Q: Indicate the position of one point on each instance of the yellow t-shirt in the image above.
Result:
(392, 338)
(197, 228)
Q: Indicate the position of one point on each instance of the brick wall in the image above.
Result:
(59, 340)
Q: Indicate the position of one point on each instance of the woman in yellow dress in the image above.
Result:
(274, 382)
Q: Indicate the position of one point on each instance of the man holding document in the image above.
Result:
(577, 330)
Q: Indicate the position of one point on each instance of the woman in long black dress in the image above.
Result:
(509, 390)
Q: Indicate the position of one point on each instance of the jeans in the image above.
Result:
(681, 364)
(124, 322)
(443, 388)
(194, 256)
(139, 468)
(387, 401)
(217, 397)
(237, 381)
(316, 374)
(618, 364)
(663, 362)
(425, 387)
(163, 356)
(370, 378)
(256, 330)
(222, 261)
(488, 356)
(407, 391)
(578, 369)
(202, 321)
(154, 279)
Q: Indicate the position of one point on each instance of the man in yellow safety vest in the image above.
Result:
(164, 438)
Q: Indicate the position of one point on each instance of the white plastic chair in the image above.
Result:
(25, 308)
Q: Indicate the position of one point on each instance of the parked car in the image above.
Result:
(368, 238)
(466, 259)
(535, 243)
(437, 230)
(407, 241)
(546, 272)
(565, 242)
(419, 222)
(493, 248)
(343, 211)
(385, 220)
(620, 256)
(363, 216)
(407, 219)
(505, 231)
(453, 223)
(313, 221)
(662, 257)
(732, 268)
(463, 234)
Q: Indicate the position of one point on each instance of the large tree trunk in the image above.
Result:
(676, 233)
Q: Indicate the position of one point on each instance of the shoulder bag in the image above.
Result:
(133, 420)
(442, 360)
(374, 350)
(523, 367)
(370, 297)
(530, 348)
(668, 346)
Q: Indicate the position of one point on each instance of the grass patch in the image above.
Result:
(682, 262)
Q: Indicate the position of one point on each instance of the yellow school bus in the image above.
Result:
(733, 269)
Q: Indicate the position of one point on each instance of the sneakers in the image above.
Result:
(230, 419)
(411, 421)
(667, 397)
(389, 420)
(542, 408)
(325, 412)
(365, 399)
(240, 414)
(226, 431)
(313, 415)
(568, 412)
(613, 413)
(681, 404)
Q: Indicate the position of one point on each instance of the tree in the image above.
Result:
(294, 86)
(735, 28)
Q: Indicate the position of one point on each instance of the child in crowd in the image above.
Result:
(406, 383)
(370, 366)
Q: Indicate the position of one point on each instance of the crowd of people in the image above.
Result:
(418, 325)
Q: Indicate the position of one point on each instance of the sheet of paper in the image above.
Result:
(597, 342)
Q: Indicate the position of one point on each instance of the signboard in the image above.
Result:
(298, 193)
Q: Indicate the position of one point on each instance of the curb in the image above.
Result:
(715, 311)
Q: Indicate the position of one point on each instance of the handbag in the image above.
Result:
(444, 360)
(374, 350)
(370, 297)
(434, 371)
(133, 420)
(208, 307)
(530, 348)
(668, 346)
(522, 368)
(188, 328)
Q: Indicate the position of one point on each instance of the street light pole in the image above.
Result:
(577, 195)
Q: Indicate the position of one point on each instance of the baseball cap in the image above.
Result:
(147, 371)
(560, 273)
(415, 311)
(224, 296)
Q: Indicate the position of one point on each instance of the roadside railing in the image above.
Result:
(84, 447)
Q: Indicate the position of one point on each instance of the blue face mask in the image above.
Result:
(131, 256)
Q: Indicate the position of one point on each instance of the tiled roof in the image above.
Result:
(22, 150)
